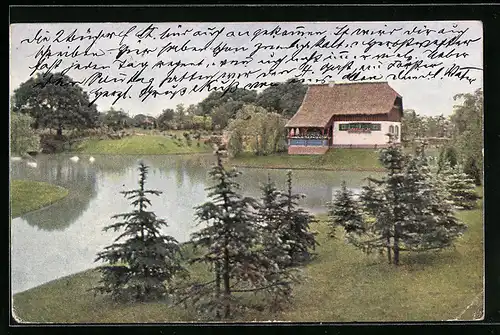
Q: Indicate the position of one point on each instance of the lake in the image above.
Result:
(64, 238)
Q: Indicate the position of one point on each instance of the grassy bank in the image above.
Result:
(28, 195)
(142, 145)
(336, 159)
(343, 284)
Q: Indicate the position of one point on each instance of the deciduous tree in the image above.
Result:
(55, 101)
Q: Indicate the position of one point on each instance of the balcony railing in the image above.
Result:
(309, 141)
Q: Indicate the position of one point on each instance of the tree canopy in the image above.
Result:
(55, 101)
(284, 98)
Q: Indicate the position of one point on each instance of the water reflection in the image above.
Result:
(65, 237)
(79, 179)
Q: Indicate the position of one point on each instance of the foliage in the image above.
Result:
(262, 131)
(460, 187)
(284, 98)
(344, 211)
(231, 243)
(298, 225)
(468, 132)
(116, 119)
(22, 137)
(448, 155)
(55, 101)
(217, 98)
(139, 267)
(409, 209)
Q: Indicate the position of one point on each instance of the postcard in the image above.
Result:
(246, 172)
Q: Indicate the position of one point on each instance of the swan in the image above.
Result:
(74, 158)
(15, 158)
(91, 159)
(32, 164)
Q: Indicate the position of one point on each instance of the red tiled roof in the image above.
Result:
(321, 102)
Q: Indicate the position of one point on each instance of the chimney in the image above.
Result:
(331, 84)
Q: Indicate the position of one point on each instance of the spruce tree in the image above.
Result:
(139, 267)
(297, 222)
(407, 209)
(271, 215)
(276, 246)
(232, 244)
(472, 169)
(461, 189)
(447, 156)
(430, 223)
(344, 211)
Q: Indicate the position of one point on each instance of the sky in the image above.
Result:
(426, 96)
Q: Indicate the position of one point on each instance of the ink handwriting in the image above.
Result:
(147, 61)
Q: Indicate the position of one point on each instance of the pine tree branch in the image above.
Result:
(259, 288)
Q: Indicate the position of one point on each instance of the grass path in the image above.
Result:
(342, 285)
(142, 145)
(27, 196)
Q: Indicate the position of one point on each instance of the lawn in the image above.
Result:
(142, 145)
(342, 285)
(28, 195)
(335, 159)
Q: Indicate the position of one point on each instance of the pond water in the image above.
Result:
(64, 238)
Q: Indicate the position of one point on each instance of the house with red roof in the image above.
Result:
(345, 115)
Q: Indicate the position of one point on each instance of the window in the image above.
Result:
(397, 131)
(391, 129)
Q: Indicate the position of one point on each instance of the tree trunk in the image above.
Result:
(227, 289)
(396, 244)
(217, 287)
(59, 131)
(389, 258)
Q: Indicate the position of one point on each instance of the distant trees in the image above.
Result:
(467, 119)
(283, 98)
(116, 119)
(55, 101)
(144, 121)
(261, 131)
(22, 136)
(464, 129)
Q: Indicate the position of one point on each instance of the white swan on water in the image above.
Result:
(91, 159)
(15, 158)
(75, 158)
(32, 164)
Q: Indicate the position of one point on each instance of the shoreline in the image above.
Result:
(277, 167)
(44, 205)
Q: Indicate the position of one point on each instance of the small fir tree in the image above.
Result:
(276, 246)
(461, 189)
(471, 168)
(430, 223)
(271, 215)
(232, 244)
(408, 211)
(139, 267)
(344, 211)
(298, 224)
(447, 156)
